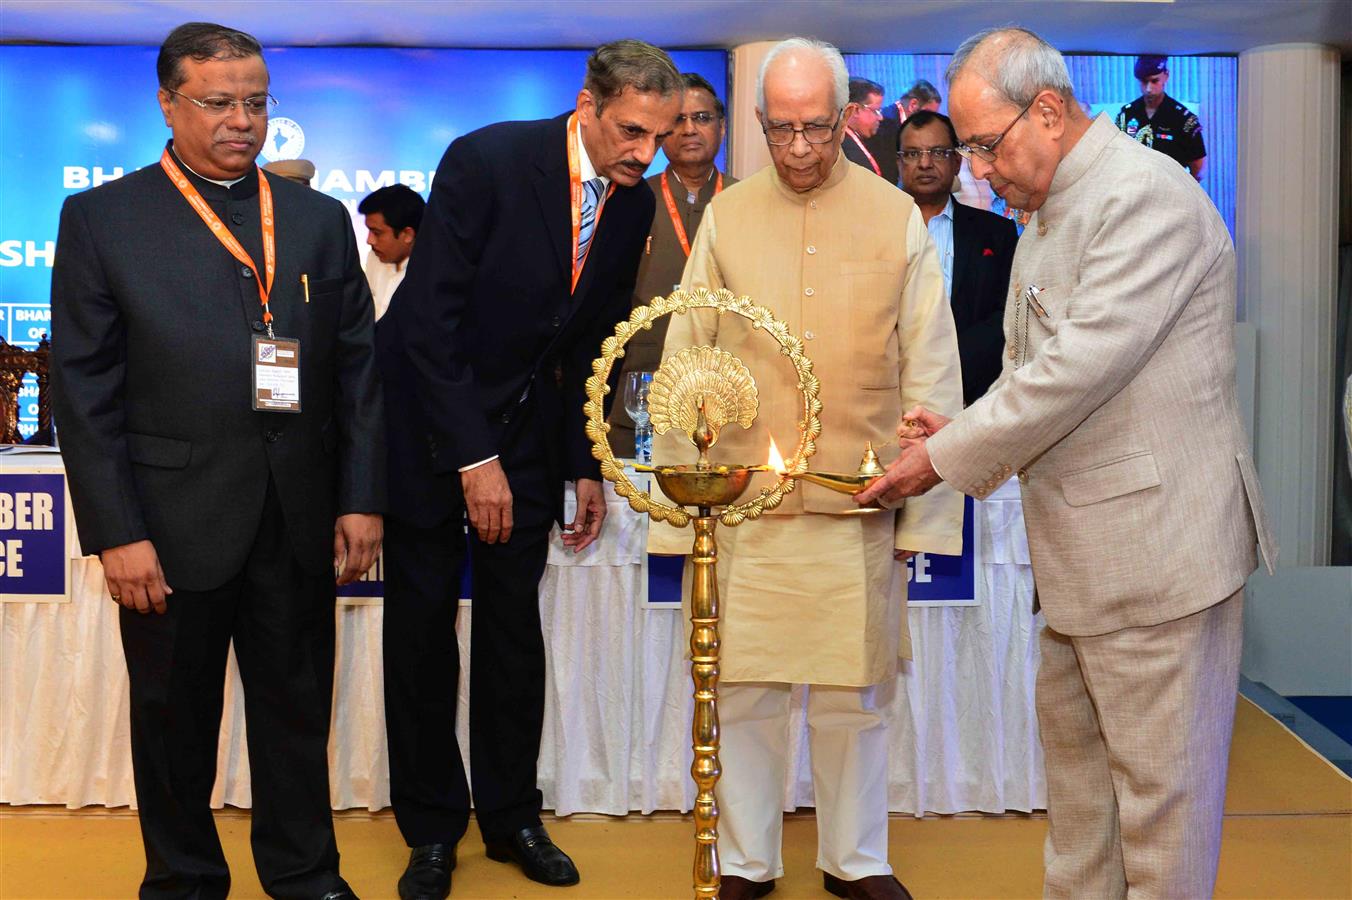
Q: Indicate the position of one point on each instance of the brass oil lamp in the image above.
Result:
(698, 392)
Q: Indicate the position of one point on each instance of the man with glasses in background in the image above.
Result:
(683, 191)
(920, 96)
(1117, 409)
(813, 594)
(221, 426)
(863, 127)
(975, 247)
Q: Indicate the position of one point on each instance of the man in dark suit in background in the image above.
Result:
(220, 508)
(525, 261)
(862, 128)
(920, 96)
(975, 247)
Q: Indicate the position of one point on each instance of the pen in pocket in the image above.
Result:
(1031, 293)
(305, 284)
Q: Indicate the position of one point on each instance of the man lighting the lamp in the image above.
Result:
(1117, 409)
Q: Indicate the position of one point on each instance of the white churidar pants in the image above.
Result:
(847, 736)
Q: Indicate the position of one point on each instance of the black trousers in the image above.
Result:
(282, 622)
(423, 571)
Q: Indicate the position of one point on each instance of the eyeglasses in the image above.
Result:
(813, 133)
(699, 118)
(937, 153)
(986, 152)
(255, 107)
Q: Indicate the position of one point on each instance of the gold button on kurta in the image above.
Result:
(810, 591)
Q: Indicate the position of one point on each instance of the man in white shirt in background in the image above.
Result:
(975, 247)
(393, 214)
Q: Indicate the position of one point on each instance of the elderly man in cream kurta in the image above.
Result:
(811, 593)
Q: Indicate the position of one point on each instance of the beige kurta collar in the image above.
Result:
(838, 173)
(1083, 154)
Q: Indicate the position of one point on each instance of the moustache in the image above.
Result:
(634, 165)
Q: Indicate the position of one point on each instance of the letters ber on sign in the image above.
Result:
(34, 554)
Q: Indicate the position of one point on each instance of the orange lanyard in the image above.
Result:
(575, 195)
(223, 234)
(676, 217)
(871, 161)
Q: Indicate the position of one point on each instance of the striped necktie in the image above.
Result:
(591, 202)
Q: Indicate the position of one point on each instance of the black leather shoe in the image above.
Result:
(735, 887)
(342, 893)
(874, 887)
(428, 875)
(535, 853)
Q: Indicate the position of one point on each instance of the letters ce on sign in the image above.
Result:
(34, 536)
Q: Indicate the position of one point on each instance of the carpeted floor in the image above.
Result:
(1288, 833)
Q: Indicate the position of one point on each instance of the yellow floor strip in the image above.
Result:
(1288, 834)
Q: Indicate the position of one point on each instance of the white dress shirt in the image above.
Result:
(384, 279)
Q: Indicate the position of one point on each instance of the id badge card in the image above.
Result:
(276, 374)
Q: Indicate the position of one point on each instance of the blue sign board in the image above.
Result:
(935, 580)
(664, 579)
(34, 556)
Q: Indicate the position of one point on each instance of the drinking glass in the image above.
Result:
(636, 387)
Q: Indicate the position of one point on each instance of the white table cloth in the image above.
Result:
(616, 733)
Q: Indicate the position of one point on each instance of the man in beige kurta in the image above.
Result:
(811, 593)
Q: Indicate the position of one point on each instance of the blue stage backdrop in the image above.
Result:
(366, 117)
(1207, 85)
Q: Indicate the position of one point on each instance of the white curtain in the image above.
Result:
(616, 733)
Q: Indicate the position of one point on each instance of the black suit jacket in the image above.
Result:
(983, 251)
(484, 349)
(884, 146)
(152, 327)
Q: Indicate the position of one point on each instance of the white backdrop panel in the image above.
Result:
(616, 732)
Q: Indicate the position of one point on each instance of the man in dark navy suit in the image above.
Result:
(975, 247)
(221, 510)
(525, 260)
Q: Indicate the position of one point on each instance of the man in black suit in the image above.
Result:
(525, 260)
(886, 143)
(862, 129)
(975, 247)
(220, 508)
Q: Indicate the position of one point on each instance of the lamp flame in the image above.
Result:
(774, 460)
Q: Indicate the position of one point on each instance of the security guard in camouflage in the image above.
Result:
(1158, 120)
